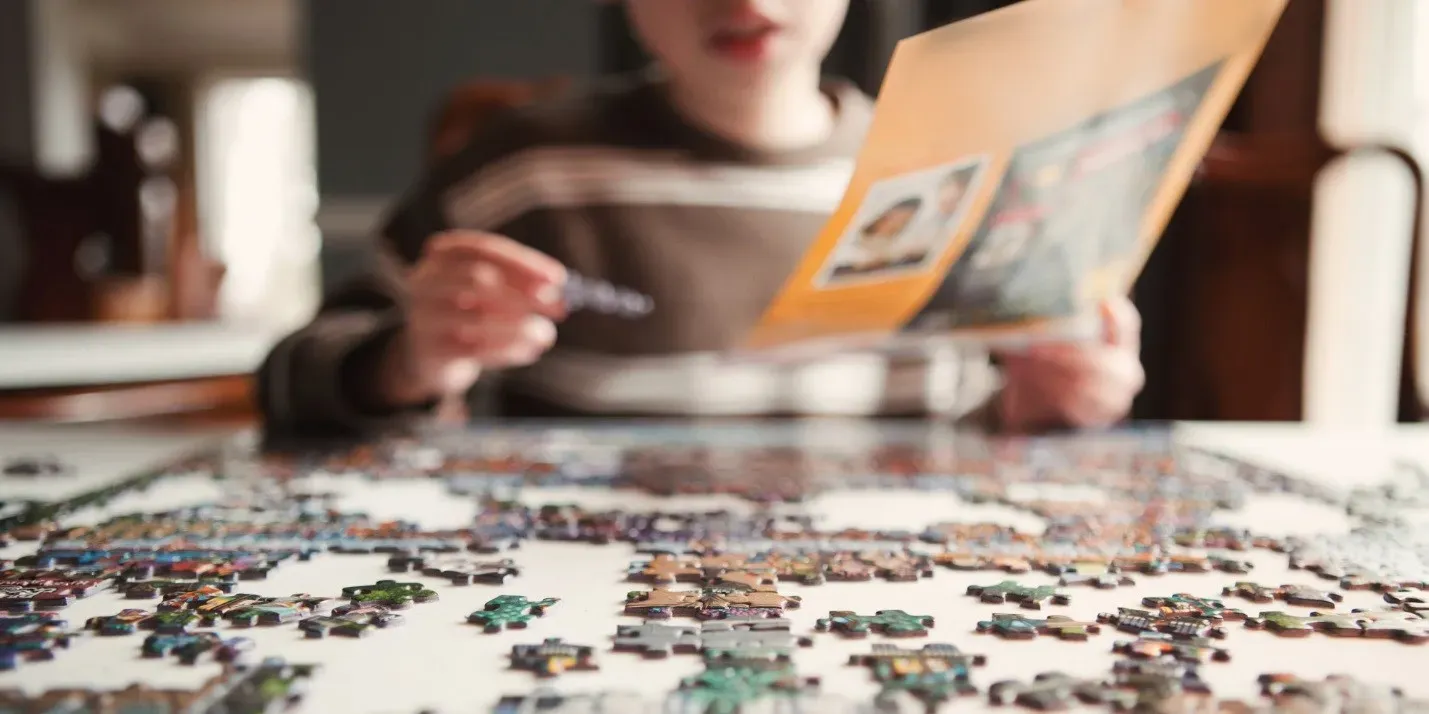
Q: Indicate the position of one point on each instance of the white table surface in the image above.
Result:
(437, 661)
(33, 357)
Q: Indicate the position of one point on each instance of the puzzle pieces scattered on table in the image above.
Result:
(190, 646)
(1157, 683)
(389, 594)
(31, 637)
(1398, 625)
(934, 674)
(1154, 645)
(1251, 591)
(742, 635)
(1336, 693)
(1410, 601)
(803, 568)
(1012, 626)
(1308, 597)
(655, 639)
(1182, 605)
(708, 603)
(666, 569)
(278, 611)
(553, 657)
(24, 591)
(898, 566)
(733, 689)
(1055, 691)
(1137, 621)
(350, 621)
(1104, 581)
(124, 623)
(509, 611)
(549, 701)
(1028, 596)
(892, 623)
(459, 569)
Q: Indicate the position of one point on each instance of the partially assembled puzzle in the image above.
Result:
(584, 569)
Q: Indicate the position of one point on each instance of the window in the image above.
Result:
(257, 188)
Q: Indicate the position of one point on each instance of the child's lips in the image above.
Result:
(745, 44)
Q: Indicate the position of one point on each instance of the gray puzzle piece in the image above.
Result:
(546, 701)
(747, 634)
(654, 639)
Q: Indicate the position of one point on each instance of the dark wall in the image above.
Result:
(16, 137)
(379, 68)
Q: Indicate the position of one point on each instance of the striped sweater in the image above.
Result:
(618, 187)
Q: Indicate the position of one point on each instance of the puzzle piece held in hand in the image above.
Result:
(892, 623)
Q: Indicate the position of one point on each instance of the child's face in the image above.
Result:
(734, 43)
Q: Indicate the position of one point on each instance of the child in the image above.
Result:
(699, 187)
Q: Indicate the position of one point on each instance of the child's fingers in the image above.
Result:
(523, 265)
(483, 288)
(1121, 322)
(503, 333)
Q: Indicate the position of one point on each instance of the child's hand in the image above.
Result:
(1083, 385)
(478, 301)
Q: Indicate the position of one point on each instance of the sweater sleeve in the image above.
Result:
(314, 383)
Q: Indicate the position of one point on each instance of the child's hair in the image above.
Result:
(911, 205)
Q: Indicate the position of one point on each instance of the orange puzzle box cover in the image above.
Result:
(1019, 169)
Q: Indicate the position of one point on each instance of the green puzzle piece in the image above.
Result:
(894, 623)
(728, 690)
(1283, 623)
(389, 594)
(931, 688)
(509, 611)
(1387, 624)
(1012, 626)
(1030, 597)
